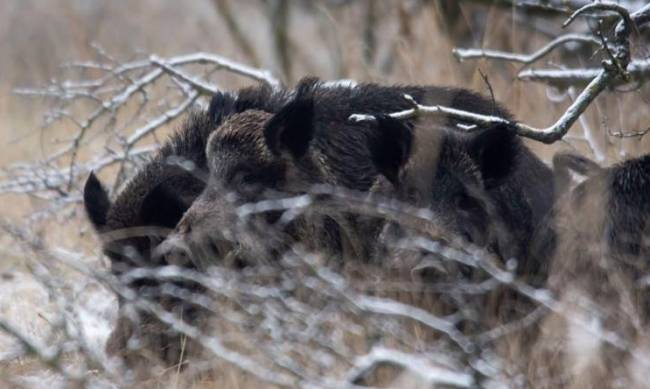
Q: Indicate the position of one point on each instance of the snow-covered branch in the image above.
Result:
(427, 373)
(549, 134)
(468, 54)
(128, 104)
(617, 69)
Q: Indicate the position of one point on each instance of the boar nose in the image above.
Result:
(173, 251)
(194, 251)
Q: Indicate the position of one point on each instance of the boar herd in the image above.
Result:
(482, 186)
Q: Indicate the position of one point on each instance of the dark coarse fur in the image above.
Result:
(602, 232)
(345, 143)
(161, 190)
(518, 185)
(314, 141)
(484, 186)
(156, 198)
(305, 137)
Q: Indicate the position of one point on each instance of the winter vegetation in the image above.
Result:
(522, 263)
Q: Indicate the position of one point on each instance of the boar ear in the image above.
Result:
(221, 106)
(391, 149)
(495, 150)
(96, 201)
(292, 128)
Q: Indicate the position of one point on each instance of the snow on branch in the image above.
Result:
(545, 135)
(431, 374)
(126, 105)
(638, 71)
(467, 54)
(294, 341)
(616, 69)
(287, 322)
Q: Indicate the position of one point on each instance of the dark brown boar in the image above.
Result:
(484, 187)
(150, 205)
(311, 141)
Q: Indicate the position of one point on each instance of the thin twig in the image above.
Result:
(633, 134)
(467, 54)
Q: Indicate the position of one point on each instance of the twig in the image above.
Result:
(614, 70)
(163, 119)
(489, 86)
(634, 134)
(195, 83)
(638, 71)
(431, 374)
(600, 6)
(544, 135)
(394, 308)
(465, 54)
(499, 332)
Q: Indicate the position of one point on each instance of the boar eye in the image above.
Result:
(257, 178)
(248, 182)
(465, 202)
(242, 176)
(249, 178)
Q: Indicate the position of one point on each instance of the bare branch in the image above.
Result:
(634, 134)
(429, 373)
(544, 135)
(195, 83)
(638, 71)
(35, 178)
(544, 7)
(615, 71)
(600, 6)
(466, 54)
(161, 120)
(389, 307)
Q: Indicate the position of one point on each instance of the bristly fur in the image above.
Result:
(157, 196)
(324, 147)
